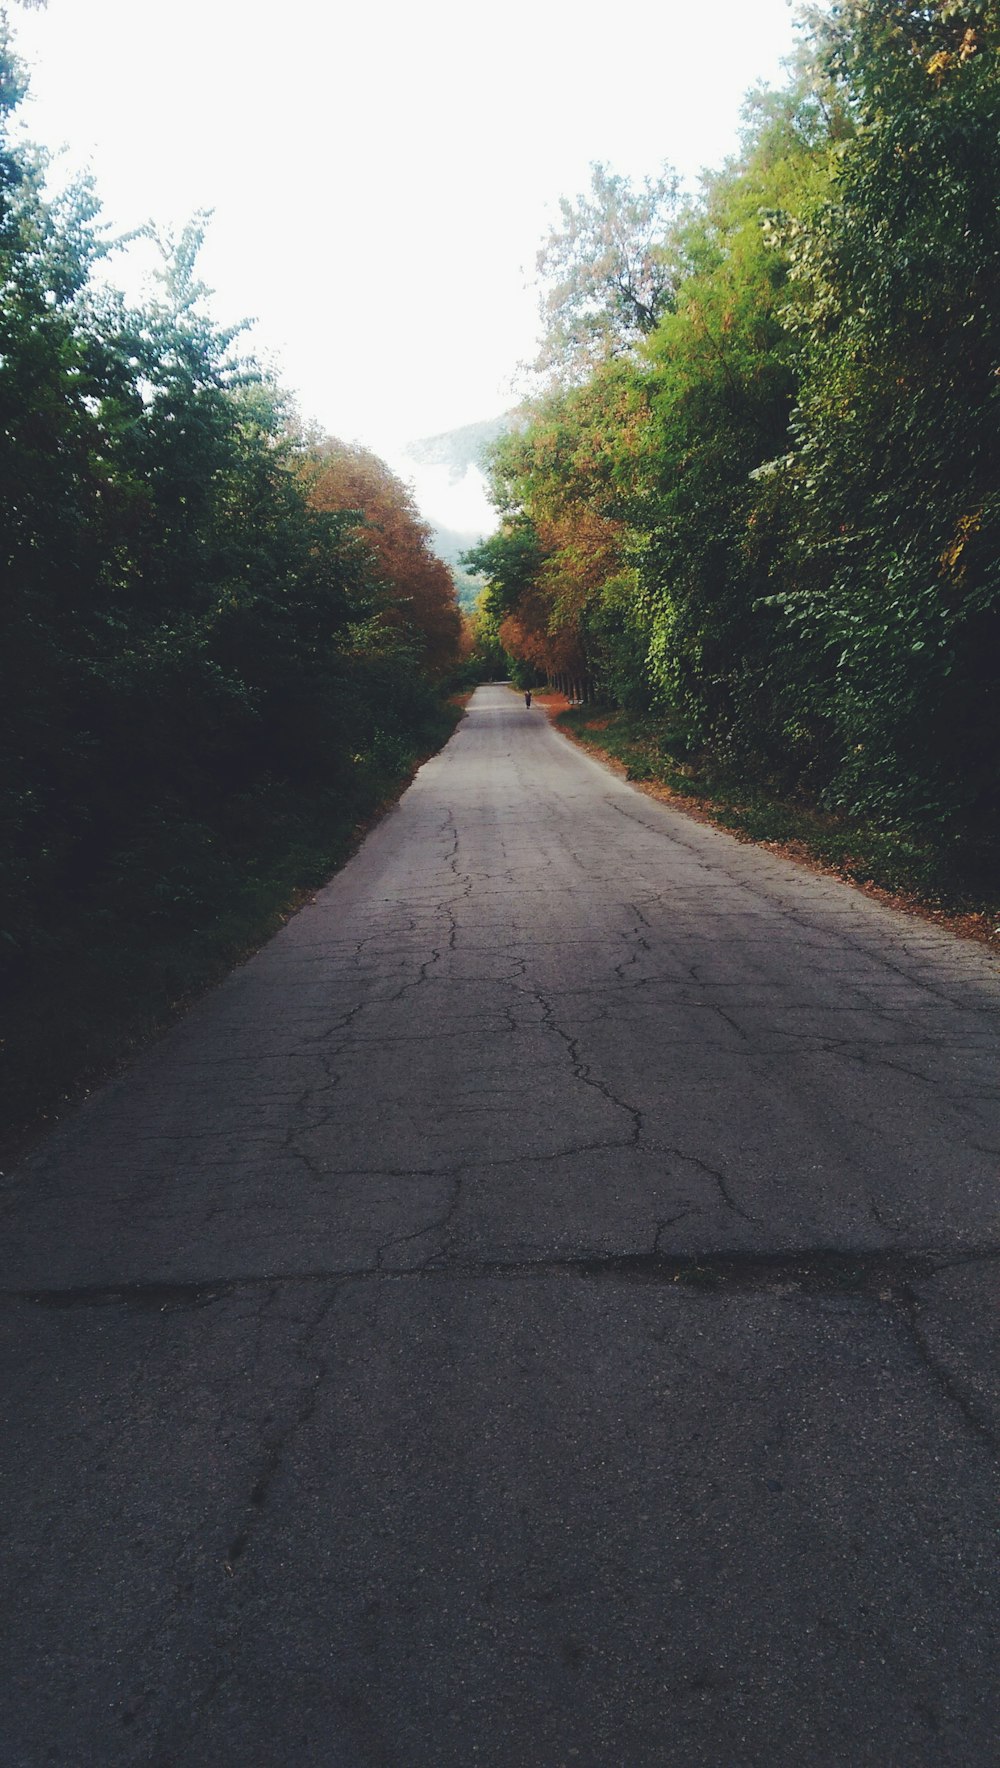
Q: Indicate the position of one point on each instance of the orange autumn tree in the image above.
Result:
(421, 597)
(527, 635)
(564, 477)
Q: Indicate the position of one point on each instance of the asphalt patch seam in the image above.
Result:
(886, 1275)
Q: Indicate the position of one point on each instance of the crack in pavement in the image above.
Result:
(581, 1070)
(344, 1023)
(718, 1178)
(797, 914)
(442, 1226)
(691, 1209)
(276, 1445)
(178, 1728)
(975, 1417)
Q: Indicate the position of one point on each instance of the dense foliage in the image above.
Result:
(770, 514)
(206, 618)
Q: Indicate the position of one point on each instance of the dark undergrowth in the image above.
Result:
(138, 942)
(900, 861)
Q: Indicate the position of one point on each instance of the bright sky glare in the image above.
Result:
(382, 176)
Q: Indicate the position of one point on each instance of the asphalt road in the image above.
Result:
(542, 1310)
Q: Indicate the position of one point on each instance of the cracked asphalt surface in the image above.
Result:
(541, 1310)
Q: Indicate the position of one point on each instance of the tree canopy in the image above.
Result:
(607, 272)
(204, 613)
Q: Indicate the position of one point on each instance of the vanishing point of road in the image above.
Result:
(540, 1311)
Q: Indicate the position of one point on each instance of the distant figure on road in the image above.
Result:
(527, 698)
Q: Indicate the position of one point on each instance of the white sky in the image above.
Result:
(383, 175)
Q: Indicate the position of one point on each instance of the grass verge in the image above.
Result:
(116, 968)
(894, 865)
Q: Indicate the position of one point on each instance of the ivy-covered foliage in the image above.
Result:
(890, 573)
(775, 515)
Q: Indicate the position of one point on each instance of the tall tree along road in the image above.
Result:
(539, 1311)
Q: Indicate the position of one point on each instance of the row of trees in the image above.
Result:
(204, 610)
(758, 491)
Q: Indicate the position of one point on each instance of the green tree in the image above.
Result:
(722, 384)
(892, 563)
(182, 626)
